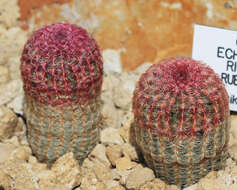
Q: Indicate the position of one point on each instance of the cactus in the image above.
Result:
(62, 72)
(181, 120)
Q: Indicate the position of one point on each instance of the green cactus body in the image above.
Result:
(54, 131)
(62, 84)
(181, 122)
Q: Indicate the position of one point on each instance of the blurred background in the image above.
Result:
(137, 31)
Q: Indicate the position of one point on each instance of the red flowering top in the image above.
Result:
(179, 97)
(61, 64)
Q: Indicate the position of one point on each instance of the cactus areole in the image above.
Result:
(61, 65)
(62, 72)
(181, 112)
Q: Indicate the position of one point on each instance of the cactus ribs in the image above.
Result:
(62, 71)
(181, 125)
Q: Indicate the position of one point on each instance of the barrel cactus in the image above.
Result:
(181, 120)
(62, 72)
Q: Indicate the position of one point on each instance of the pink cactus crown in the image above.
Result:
(61, 64)
(180, 97)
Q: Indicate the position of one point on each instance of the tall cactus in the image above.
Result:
(181, 123)
(62, 71)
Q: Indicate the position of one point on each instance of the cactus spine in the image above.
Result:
(62, 71)
(181, 123)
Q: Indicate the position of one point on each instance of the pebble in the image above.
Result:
(129, 150)
(222, 180)
(114, 174)
(24, 141)
(10, 90)
(112, 183)
(21, 174)
(111, 116)
(124, 175)
(121, 97)
(17, 104)
(5, 151)
(191, 187)
(110, 80)
(13, 140)
(8, 123)
(158, 184)
(12, 40)
(125, 130)
(233, 151)
(111, 136)
(32, 160)
(99, 153)
(138, 177)
(101, 171)
(125, 163)
(21, 153)
(4, 74)
(117, 188)
(14, 64)
(112, 61)
(55, 187)
(87, 164)
(5, 181)
(10, 13)
(46, 178)
(100, 186)
(123, 92)
(113, 153)
(67, 170)
(89, 181)
(38, 167)
(20, 130)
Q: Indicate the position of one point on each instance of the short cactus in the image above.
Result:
(62, 71)
(181, 120)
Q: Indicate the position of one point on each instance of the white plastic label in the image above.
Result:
(218, 48)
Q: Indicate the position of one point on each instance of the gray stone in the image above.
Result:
(111, 136)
